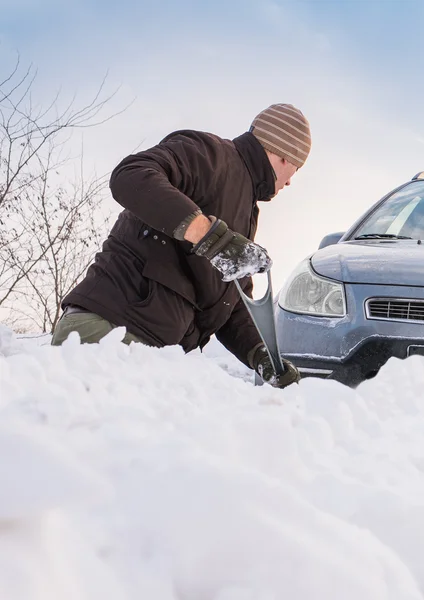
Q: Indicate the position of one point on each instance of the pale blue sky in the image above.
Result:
(355, 68)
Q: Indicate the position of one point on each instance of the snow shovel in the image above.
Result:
(262, 313)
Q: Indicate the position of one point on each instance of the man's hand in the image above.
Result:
(231, 253)
(263, 367)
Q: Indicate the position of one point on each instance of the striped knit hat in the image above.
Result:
(283, 130)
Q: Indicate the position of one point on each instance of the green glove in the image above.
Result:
(263, 367)
(231, 253)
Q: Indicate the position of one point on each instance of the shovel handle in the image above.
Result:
(262, 314)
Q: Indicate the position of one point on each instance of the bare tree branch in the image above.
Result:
(49, 231)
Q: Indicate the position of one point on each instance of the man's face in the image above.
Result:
(284, 171)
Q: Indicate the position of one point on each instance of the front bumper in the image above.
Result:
(353, 348)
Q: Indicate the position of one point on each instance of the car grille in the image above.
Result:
(394, 309)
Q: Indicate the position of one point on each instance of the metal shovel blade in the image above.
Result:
(262, 313)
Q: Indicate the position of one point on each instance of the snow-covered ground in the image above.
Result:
(136, 473)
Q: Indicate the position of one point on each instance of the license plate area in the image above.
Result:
(413, 350)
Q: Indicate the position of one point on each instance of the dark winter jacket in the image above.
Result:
(160, 188)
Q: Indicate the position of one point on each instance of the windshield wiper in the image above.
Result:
(382, 236)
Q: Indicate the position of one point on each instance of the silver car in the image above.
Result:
(359, 299)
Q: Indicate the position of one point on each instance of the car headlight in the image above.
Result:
(307, 293)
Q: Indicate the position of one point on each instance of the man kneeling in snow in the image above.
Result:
(166, 271)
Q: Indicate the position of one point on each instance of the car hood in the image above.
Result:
(385, 262)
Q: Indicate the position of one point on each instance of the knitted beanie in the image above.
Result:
(283, 130)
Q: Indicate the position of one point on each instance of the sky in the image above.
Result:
(354, 67)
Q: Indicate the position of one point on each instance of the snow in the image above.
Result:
(248, 261)
(130, 472)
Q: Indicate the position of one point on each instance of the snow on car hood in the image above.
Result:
(385, 262)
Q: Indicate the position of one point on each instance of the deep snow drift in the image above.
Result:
(132, 472)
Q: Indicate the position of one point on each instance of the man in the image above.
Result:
(167, 270)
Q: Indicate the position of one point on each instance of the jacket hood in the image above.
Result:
(258, 165)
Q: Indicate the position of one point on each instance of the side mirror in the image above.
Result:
(330, 239)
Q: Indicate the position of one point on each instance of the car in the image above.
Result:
(359, 299)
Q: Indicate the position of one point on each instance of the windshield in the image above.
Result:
(401, 215)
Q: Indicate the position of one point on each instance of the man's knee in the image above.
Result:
(90, 327)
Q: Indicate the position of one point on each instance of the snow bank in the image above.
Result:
(133, 472)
